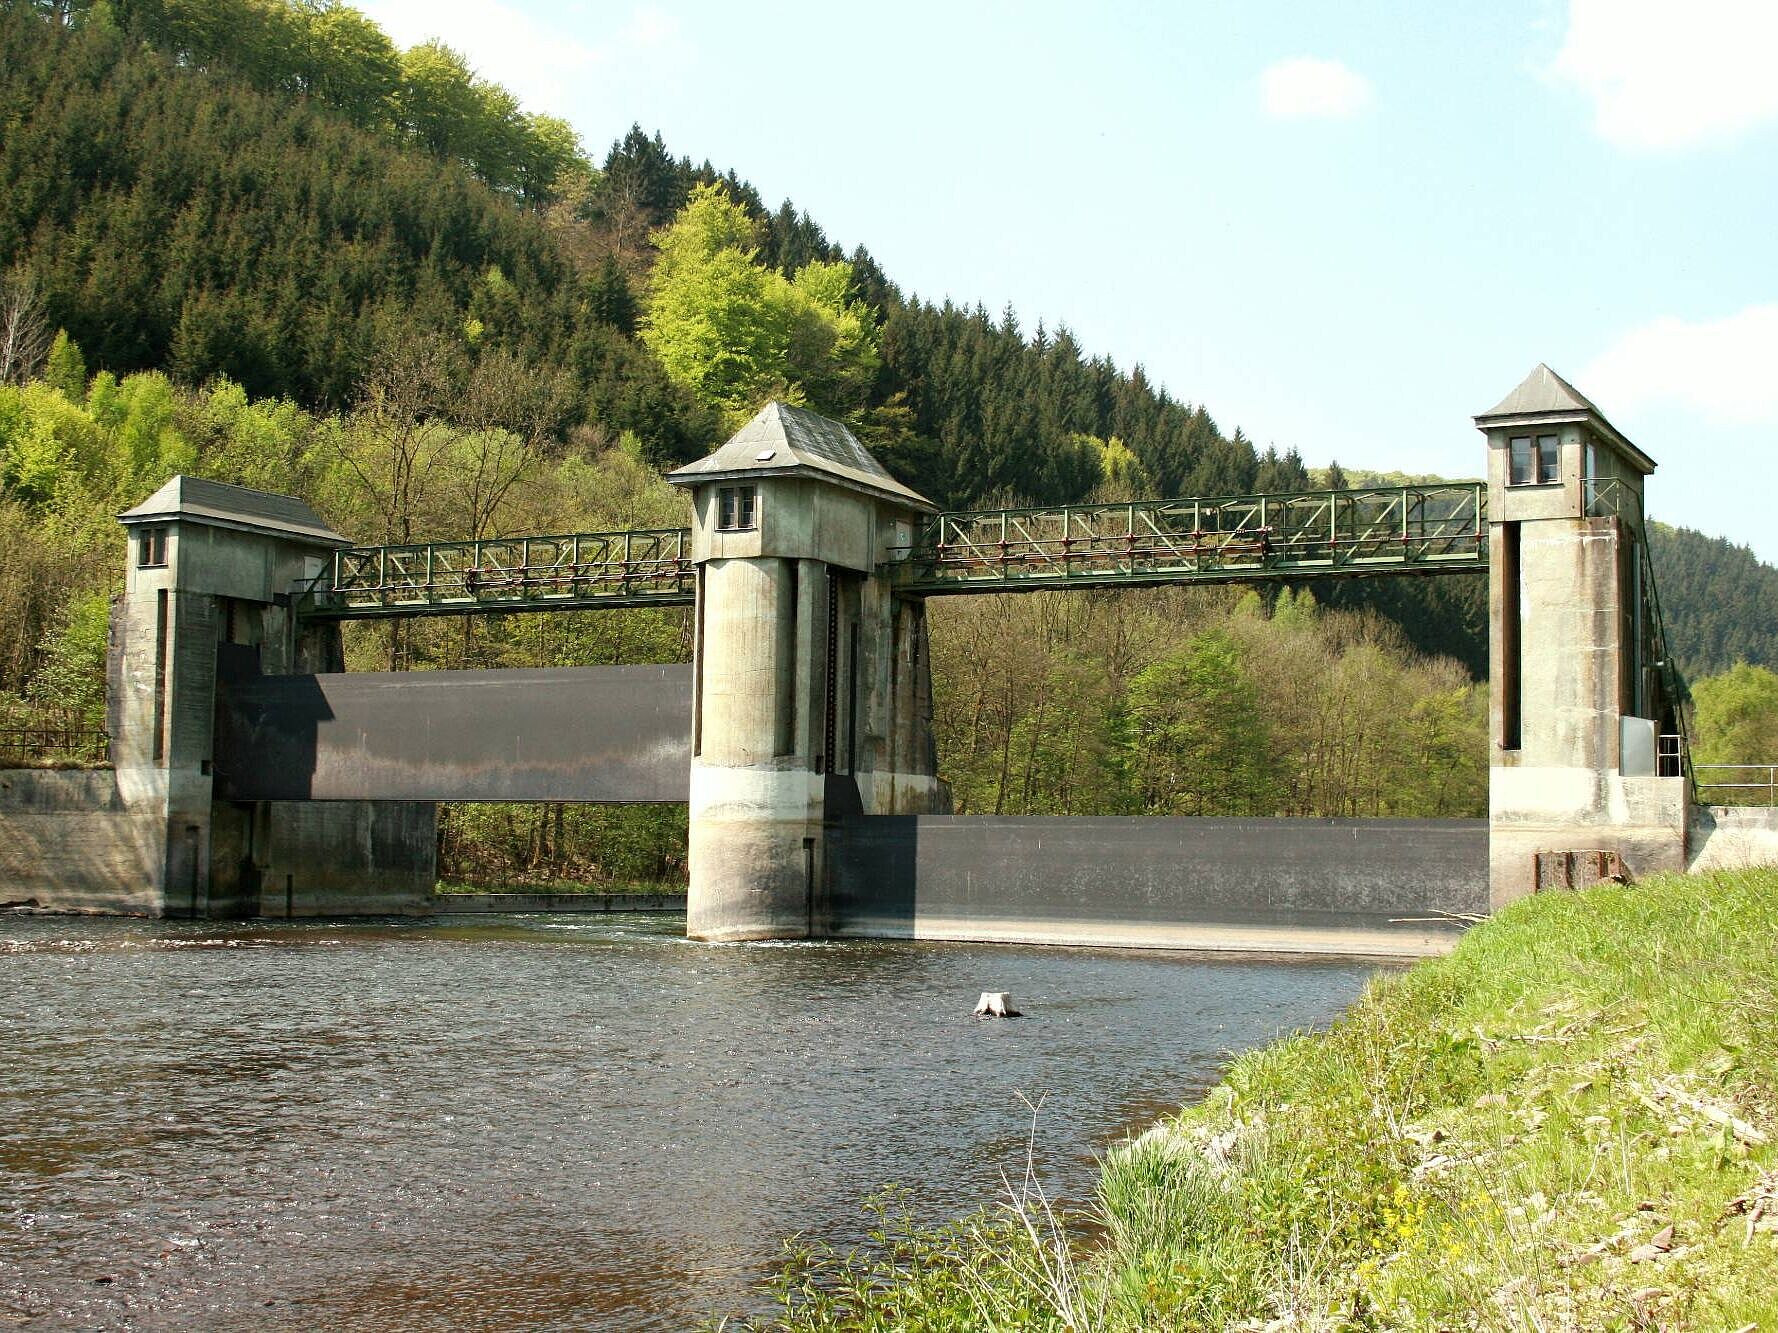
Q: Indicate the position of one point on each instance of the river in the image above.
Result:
(552, 1121)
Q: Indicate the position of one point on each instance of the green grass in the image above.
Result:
(1500, 1139)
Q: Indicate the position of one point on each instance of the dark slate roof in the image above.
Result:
(218, 502)
(785, 439)
(1544, 395)
(1543, 390)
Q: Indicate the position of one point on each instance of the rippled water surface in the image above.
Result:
(576, 1122)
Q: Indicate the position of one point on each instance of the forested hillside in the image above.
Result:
(281, 252)
(1719, 601)
(190, 196)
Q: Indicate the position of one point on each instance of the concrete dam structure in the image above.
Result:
(253, 776)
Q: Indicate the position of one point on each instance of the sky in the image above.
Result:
(1343, 227)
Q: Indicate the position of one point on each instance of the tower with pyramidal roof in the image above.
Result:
(1587, 778)
(812, 693)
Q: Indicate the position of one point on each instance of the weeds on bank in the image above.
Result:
(1569, 1123)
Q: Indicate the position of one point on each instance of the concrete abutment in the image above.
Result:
(208, 588)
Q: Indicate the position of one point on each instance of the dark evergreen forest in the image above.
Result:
(215, 190)
(180, 218)
(1719, 602)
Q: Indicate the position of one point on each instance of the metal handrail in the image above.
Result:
(556, 571)
(85, 746)
(1414, 527)
(1769, 786)
(1614, 497)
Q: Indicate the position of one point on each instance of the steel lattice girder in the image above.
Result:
(1372, 530)
(1433, 528)
(552, 573)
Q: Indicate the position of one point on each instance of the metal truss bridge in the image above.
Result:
(1415, 529)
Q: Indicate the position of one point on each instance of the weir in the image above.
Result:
(254, 776)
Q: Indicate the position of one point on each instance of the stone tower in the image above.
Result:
(1585, 754)
(209, 589)
(812, 696)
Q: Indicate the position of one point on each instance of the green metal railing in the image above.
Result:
(1317, 534)
(1612, 497)
(54, 747)
(1314, 534)
(567, 572)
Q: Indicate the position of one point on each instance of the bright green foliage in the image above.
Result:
(1570, 1122)
(1121, 474)
(548, 156)
(70, 684)
(710, 317)
(1191, 737)
(39, 432)
(1332, 713)
(438, 102)
(1736, 717)
(735, 332)
(65, 371)
(354, 67)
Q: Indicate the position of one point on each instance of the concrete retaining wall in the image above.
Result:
(1734, 837)
(359, 858)
(558, 902)
(68, 844)
(1265, 885)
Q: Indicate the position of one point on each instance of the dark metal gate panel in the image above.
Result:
(587, 734)
(892, 874)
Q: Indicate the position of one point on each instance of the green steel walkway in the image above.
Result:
(1426, 529)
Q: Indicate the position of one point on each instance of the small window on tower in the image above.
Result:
(151, 548)
(1522, 473)
(1549, 459)
(1534, 461)
(735, 506)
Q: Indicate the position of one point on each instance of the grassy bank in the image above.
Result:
(1569, 1123)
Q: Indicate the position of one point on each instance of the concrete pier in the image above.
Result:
(812, 692)
(1580, 708)
(208, 589)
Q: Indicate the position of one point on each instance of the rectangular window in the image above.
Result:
(1534, 462)
(1522, 471)
(151, 548)
(735, 507)
(1549, 459)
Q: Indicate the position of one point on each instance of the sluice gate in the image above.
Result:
(593, 735)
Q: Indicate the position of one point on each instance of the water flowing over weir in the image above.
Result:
(544, 1121)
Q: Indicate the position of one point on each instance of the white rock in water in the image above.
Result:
(995, 1005)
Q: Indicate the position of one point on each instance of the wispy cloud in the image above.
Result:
(546, 64)
(1308, 88)
(1721, 369)
(1662, 75)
